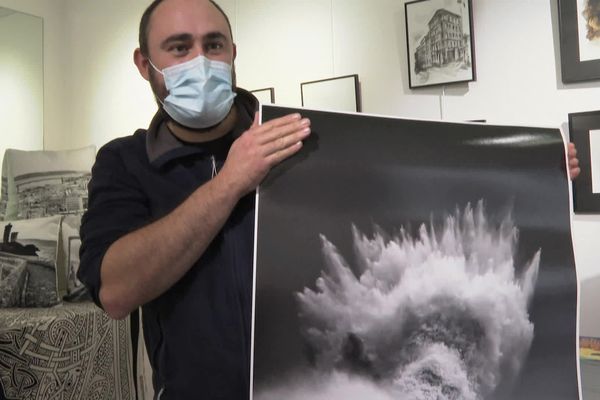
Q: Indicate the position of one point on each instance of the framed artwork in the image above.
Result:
(439, 39)
(265, 96)
(341, 93)
(579, 39)
(584, 131)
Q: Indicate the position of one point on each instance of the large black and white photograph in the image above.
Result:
(439, 37)
(406, 259)
(28, 262)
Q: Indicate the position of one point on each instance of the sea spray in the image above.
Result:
(442, 314)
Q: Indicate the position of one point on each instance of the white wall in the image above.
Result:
(284, 43)
(516, 54)
(106, 96)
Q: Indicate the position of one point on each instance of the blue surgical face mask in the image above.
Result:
(200, 92)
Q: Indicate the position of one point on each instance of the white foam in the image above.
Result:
(442, 312)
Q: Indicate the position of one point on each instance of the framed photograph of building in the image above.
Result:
(584, 131)
(579, 25)
(439, 38)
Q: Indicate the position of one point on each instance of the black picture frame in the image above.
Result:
(437, 41)
(572, 68)
(264, 94)
(585, 201)
(340, 93)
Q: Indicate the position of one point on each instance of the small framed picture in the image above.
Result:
(584, 131)
(579, 27)
(341, 93)
(265, 96)
(439, 38)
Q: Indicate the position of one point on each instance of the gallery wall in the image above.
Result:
(93, 92)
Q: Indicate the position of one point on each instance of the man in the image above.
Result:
(170, 219)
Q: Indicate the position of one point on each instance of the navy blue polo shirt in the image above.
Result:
(197, 333)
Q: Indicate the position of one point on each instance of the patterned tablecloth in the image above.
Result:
(71, 351)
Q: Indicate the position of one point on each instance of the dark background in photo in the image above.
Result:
(393, 173)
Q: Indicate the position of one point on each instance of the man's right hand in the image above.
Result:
(260, 148)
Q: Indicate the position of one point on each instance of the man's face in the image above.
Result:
(180, 30)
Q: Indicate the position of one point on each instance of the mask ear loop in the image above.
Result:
(160, 72)
(154, 66)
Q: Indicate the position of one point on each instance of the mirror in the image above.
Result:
(21, 81)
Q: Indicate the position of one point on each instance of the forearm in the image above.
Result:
(145, 263)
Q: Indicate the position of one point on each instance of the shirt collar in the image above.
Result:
(162, 146)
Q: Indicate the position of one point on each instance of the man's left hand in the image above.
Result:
(573, 162)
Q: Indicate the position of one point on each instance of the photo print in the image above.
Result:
(403, 259)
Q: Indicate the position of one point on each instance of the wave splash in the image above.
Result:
(442, 315)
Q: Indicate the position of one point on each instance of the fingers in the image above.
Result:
(574, 169)
(279, 156)
(573, 162)
(280, 134)
(574, 172)
(286, 138)
(276, 123)
(276, 134)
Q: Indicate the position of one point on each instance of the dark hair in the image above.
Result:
(145, 22)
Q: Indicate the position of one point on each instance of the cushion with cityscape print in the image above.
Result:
(28, 254)
(43, 183)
